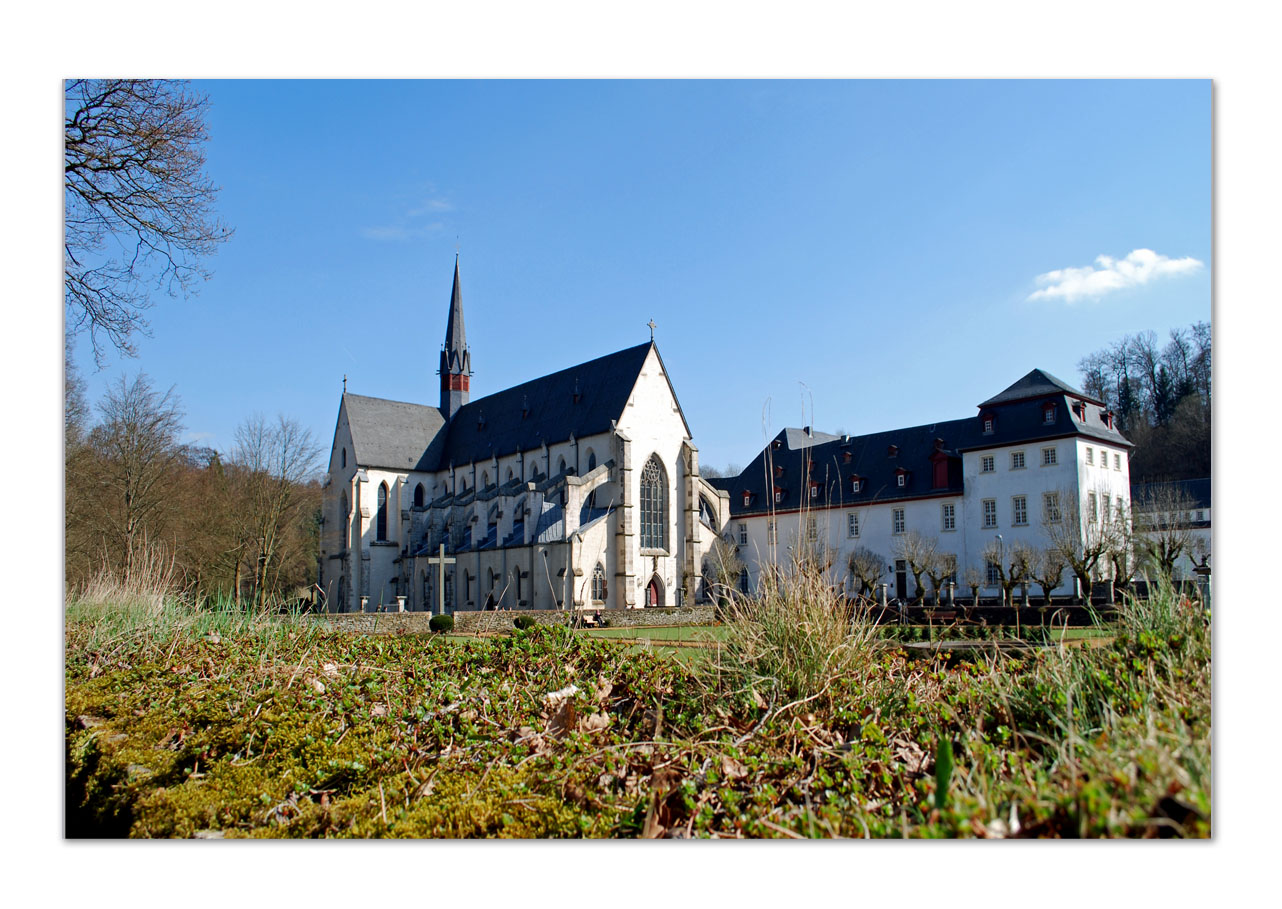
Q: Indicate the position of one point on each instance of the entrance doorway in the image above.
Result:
(901, 580)
(654, 592)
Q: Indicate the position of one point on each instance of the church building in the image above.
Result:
(577, 490)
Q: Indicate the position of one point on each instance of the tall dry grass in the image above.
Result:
(791, 640)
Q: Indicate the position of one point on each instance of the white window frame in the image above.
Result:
(989, 512)
(1019, 511)
(743, 534)
(772, 532)
(989, 425)
(812, 529)
(1092, 508)
(897, 522)
(852, 525)
(988, 464)
(1017, 460)
(856, 485)
(1050, 507)
(948, 516)
(1050, 457)
(1090, 456)
(901, 478)
(1117, 461)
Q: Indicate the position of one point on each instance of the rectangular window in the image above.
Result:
(992, 574)
(1048, 414)
(1201, 515)
(778, 496)
(987, 464)
(1104, 503)
(1091, 512)
(1090, 456)
(1050, 507)
(990, 512)
(1121, 509)
(772, 535)
(1016, 460)
(1048, 457)
(855, 485)
(743, 534)
(1019, 510)
(950, 517)
(852, 524)
(901, 479)
(1117, 461)
(897, 520)
(988, 424)
(812, 530)
(1103, 459)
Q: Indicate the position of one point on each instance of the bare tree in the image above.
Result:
(129, 496)
(275, 460)
(138, 206)
(1163, 530)
(1014, 563)
(1081, 539)
(973, 578)
(939, 569)
(722, 569)
(866, 568)
(919, 552)
(1046, 569)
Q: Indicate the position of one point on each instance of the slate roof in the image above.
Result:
(1015, 424)
(399, 435)
(1198, 492)
(603, 387)
(394, 434)
(1036, 384)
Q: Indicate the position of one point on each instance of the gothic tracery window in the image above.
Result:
(598, 584)
(654, 505)
(381, 527)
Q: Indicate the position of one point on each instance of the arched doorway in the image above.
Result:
(654, 592)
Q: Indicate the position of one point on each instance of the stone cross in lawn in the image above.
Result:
(440, 561)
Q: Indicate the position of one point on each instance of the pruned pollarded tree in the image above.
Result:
(974, 579)
(274, 461)
(867, 569)
(1121, 555)
(1014, 562)
(940, 569)
(127, 480)
(1163, 528)
(722, 568)
(138, 206)
(1081, 539)
(1046, 569)
(919, 552)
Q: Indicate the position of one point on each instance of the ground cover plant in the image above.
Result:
(209, 722)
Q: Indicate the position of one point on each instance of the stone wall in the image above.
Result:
(497, 621)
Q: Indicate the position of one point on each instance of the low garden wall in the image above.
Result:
(479, 622)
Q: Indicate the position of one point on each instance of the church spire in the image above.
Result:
(456, 359)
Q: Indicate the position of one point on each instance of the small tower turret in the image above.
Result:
(456, 359)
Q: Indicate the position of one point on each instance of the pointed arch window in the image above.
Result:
(418, 496)
(654, 505)
(598, 584)
(381, 521)
(345, 519)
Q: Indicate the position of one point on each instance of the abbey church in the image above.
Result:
(577, 490)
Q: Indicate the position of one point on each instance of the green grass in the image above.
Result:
(182, 721)
(693, 633)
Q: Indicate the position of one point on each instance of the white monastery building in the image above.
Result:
(1040, 450)
(577, 490)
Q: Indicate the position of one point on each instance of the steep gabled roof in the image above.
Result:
(1033, 385)
(544, 410)
(394, 434)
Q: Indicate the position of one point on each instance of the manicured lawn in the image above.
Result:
(692, 633)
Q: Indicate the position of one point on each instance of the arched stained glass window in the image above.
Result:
(654, 505)
(381, 521)
(598, 584)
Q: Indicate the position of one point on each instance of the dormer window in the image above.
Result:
(901, 478)
(778, 495)
(892, 451)
(778, 470)
(989, 422)
(856, 484)
(814, 490)
(1048, 414)
(747, 499)
(846, 457)
(1079, 410)
(776, 444)
(1107, 417)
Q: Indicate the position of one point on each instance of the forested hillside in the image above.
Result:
(1161, 393)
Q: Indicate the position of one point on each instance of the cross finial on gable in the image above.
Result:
(344, 383)
(652, 328)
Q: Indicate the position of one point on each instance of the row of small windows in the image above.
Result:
(988, 463)
(1103, 458)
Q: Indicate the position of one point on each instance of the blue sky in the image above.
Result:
(871, 247)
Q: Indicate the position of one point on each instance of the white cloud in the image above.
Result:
(394, 232)
(1139, 267)
(430, 206)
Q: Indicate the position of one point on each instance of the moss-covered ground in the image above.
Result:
(269, 728)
